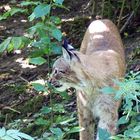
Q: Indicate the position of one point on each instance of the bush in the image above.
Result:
(130, 92)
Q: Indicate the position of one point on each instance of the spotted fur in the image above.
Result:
(100, 60)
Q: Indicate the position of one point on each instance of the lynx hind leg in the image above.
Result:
(107, 111)
(86, 120)
(108, 125)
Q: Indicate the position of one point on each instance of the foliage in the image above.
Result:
(60, 123)
(111, 9)
(44, 36)
(103, 134)
(12, 12)
(130, 91)
(13, 43)
(122, 12)
(60, 126)
(13, 134)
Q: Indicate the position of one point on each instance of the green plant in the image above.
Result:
(13, 134)
(62, 125)
(12, 43)
(43, 37)
(119, 11)
(129, 90)
(59, 123)
(12, 12)
(45, 32)
(21, 8)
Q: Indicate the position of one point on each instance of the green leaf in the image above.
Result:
(46, 110)
(6, 14)
(4, 45)
(55, 19)
(37, 53)
(131, 133)
(13, 43)
(75, 130)
(58, 108)
(118, 137)
(122, 120)
(137, 128)
(15, 137)
(16, 42)
(13, 134)
(16, 10)
(118, 95)
(32, 17)
(12, 131)
(67, 121)
(40, 11)
(25, 136)
(41, 121)
(35, 28)
(108, 90)
(37, 60)
(57, 131)
(38, 86)
(27, 3)
(7, 138)
(55, 49)
(12, 12)
(138, 118)
(43, 43)
(59, 1)
(2, 132)
(64, 95)
(2, 17)
(56, 33)
(103, 134)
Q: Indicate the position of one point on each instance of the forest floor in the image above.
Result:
(17, 98)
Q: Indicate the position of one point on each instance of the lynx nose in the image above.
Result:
(51, 80)
(54, 82)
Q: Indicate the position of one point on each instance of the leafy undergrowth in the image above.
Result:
(129, 91)
(43, 115)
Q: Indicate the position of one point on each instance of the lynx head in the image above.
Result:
(63, 73)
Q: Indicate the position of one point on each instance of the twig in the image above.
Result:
(7, 107)
(127, 22)
(122, 8)
(94, 4)
(88, 5)
(24, 79)
(103, 6)
(5, 122)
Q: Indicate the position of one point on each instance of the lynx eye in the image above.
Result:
(63, 72)
(55, 71)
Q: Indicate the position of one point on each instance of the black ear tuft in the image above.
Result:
(69, 51)
(65, 43)
(67, 46)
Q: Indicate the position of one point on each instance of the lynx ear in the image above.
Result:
(69, 52)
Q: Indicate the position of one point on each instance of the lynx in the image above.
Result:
(100, 60)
